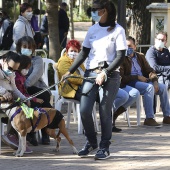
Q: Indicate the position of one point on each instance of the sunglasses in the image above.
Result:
(10, 68)
(95, 9)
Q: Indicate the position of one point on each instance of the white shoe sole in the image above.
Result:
(102, 158)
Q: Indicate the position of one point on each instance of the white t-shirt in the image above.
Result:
(103, 44)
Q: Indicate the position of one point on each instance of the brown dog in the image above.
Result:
(23, 126)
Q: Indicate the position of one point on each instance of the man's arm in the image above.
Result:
(147, 69)
(151, 59)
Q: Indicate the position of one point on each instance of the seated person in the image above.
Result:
(34, 83)
(125, 97)
(136, 72)
(158, 57)
(73, 88)
(20, 79)
(9, 63)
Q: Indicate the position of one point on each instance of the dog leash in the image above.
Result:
(48, 88)
(18, 102)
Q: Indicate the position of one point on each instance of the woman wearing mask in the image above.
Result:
(9, 63)
(34, 83)
(22, 26)
(104, 47)
(71, 89)
(20, 79)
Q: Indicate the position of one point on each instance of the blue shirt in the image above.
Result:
(136, 69)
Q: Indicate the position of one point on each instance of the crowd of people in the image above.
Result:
(107, 55)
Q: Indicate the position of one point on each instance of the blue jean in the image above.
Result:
(147, 90)
(125, 97)
(106, 96)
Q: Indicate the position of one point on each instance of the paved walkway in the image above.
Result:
(80, 30)
(136, 148)
(133, 149)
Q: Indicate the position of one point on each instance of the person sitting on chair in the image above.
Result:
(125, 97)
(136, 72)
(72, 87)
(34, 83)
(9, 63)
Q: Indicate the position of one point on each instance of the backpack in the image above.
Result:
(7, 39)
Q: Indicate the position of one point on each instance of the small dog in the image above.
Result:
(23, 126)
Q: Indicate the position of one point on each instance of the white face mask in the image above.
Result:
(159, 44)
(28, 15)
(72, 55)
(24, 72)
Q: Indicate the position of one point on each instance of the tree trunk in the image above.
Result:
(54, 44)
(71, 20)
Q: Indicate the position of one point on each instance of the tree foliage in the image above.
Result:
(139, 23)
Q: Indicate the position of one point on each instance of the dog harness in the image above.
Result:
(17, 111)
(40, 111)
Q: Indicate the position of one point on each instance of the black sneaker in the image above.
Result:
(31, 138)
(45, 140)
(88, 148)
(102, 154)
(115, 129)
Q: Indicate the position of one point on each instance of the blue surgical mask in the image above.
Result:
(26, 51)
(129, 51)
(7, 72)
(95, 16)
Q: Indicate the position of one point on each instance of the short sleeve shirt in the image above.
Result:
(103, 44)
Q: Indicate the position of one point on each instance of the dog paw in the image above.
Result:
(19, 155)
(16, 153)
(75, 151)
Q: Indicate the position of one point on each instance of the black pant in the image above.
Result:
(45, 96)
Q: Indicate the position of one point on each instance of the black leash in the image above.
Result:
(18, 102)
(86, 78)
